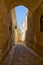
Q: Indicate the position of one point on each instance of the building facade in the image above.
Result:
(24, 28)
(14, 26)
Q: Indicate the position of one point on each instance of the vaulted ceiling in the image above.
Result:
(31, 4)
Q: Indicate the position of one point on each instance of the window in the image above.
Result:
(41, 23)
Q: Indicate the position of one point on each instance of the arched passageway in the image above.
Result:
(19, 20)
(36, 36)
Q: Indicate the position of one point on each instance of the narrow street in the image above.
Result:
(22, 55)
(21, 32)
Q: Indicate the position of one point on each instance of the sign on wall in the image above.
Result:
(41, 23)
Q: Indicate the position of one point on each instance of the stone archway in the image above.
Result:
(32, 5)
(5, 7)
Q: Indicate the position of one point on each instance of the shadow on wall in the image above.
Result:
(37, 48)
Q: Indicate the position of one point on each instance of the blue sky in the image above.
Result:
(20, 14)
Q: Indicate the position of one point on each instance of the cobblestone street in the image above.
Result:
(21, 55)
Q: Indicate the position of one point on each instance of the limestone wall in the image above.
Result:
(30, 29)
(38, 34)
(14, 25)
(37, 15)
(34, 37)
(5, 34)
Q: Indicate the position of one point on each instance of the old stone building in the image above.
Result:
(34, 35)
(14, 25)
(24, 28)
(19, 35)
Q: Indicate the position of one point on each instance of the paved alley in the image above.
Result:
(21, 55)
